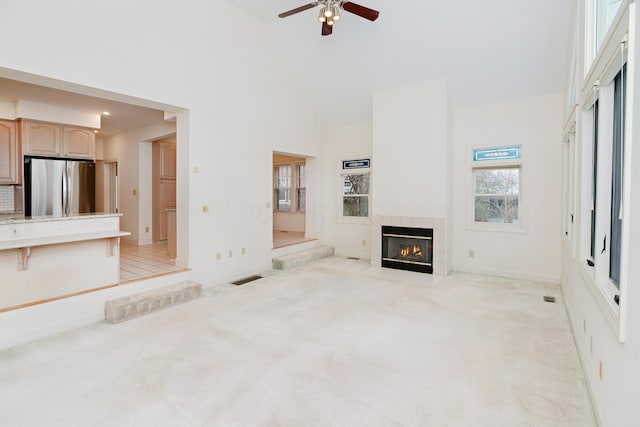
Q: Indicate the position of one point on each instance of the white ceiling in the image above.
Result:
(124, 117)
(487, 50)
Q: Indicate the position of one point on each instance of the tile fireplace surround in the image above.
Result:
(439, 242)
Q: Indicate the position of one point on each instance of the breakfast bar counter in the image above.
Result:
(48, 258)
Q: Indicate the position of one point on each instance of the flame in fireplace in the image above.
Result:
(415, 251)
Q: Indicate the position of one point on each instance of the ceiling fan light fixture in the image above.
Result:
(321, 17)
(328, 12)
(336, 14)
(330, 21)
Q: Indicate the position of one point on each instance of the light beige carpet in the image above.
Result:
(333, 343)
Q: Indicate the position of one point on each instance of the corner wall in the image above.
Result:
(535, 124)
(344, 143)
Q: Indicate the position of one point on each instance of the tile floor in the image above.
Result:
(142, 262)
(332, 343)
(288, 238)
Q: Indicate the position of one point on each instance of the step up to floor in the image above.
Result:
(303, 257)
(129, 307)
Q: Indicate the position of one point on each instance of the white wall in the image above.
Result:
(222, 68)
(535, 124)
(344, 143)
(410, 150)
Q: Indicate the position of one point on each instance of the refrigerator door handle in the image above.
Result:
(65, 192)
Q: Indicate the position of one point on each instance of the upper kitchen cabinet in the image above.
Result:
(78, 142)
(56, 140)
(41, 139)
(9, 153)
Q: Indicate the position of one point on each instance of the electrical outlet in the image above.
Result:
(584, 325)
(134, 192)
(146, 229)
(472, 253)
(205, 209)
(364, 243)
(230, 253)
(218, 255)
(243, 251)
(196, 169)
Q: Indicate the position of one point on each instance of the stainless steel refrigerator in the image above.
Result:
(58, 187)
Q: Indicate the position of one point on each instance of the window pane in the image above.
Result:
(497, 209)
(617, 170)
(302, 199)
(497, 181)
(594, 180)
(497, 195)
(283, 199)
(301, 176)
(355, 206)
(605, 12)
(356, 184)
(283, 177)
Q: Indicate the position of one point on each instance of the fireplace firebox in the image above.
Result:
(407, 248)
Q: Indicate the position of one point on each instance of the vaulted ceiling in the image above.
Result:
(487, 50)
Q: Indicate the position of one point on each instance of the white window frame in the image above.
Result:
(569, 214)
(353, 219)
(599, 85)
(518, 227)
(293, 188)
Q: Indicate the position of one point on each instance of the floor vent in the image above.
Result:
(246, 280)
(549, 299)
(353, 258)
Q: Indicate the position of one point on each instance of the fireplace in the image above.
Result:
(407, 248)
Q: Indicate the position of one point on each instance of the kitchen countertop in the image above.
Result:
(19, 219)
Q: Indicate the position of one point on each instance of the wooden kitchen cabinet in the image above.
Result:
(56, 140)
(167, 160)
(78, 142)
(9, 153)
(164, 186)
(41, 138)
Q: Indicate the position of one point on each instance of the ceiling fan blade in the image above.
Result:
(361, 11)
(298, 10)
(326, 29)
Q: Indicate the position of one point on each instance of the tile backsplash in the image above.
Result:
(6, 198)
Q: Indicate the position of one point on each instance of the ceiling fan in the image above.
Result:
(330, 12)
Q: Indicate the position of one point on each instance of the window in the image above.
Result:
(355, 195)
(594, 182)
(617, 170)
(605, 12)
(282, 188)
(301, 187)
(568, 186)
(496, 195)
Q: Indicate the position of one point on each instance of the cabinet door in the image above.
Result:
(8, 153)
(167, 200)
(78, 142)
(42, 139)
(167, 160)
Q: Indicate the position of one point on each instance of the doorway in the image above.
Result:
(107, 186)
(289, 200)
